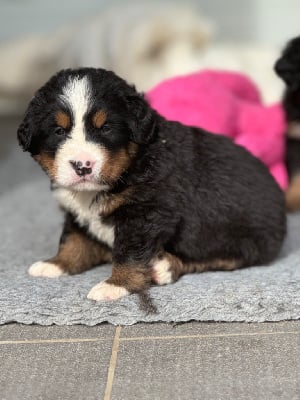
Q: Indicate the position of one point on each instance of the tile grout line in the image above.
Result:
(216, 335)
(63, 340)
(137, 338)
(112, 364)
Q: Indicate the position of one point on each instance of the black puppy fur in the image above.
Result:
(187, 197)
(288, 68)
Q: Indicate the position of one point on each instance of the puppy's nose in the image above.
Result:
(82, 166)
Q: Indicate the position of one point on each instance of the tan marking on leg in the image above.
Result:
(63, 120)
(292, 195)
(212, 265)
(47, 163)
(125, 279)
(99, 118)
(133, 277)
(224, 265)
(79, 253)
(167, 268)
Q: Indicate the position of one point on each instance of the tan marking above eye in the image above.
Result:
(99, 118)
(62, 119)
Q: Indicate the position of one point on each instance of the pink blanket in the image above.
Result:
(227, 103)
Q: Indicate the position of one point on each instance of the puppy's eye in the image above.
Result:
(106, 129)
(59, 131)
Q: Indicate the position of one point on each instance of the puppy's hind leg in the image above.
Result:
(167, 268)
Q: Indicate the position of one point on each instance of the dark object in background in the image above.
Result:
(288, 68)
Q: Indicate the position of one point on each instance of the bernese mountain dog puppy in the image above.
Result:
(287, 67)
(156, 198)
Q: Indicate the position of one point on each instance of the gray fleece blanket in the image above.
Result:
(30, 229)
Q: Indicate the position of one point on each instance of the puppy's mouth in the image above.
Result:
(86, 183)
(84, 180)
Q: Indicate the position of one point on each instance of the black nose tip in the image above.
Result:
(80, 169)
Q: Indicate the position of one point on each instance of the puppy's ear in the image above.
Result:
(288, 65)
(142, 119)
(25, 132)
(27, 127)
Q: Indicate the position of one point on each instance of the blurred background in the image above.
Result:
(143, 41)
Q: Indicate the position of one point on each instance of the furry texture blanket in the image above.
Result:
(30, 229)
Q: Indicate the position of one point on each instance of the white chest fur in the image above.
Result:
(86, 212)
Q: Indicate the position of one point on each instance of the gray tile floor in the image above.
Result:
(205, 361)
(160, 361)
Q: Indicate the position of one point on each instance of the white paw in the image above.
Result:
(162, 274)
(107, 291)
(45, 269)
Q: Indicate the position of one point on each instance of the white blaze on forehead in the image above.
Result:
(77, 95)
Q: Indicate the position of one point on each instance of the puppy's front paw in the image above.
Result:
(161, 271)
(45, 269)
(107, 291)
